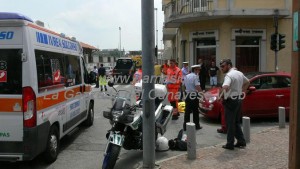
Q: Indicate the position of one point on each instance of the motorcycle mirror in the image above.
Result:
(141, 103)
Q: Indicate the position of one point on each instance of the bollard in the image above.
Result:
(246, 128)
(191, 140)
(281, 116)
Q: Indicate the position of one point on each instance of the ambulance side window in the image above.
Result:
(50, 70)
(10, 71)
(85, 73)
(73, 70)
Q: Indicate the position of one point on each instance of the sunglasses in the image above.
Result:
(222, 66)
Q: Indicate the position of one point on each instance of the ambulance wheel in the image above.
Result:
(90, 119)
(52, 145)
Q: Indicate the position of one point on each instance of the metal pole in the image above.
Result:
(148, 70)
(120, 41)
(156, 46)
(277, 39)
(156, 27)
(191, 140)
(281, 116)
(246, 128)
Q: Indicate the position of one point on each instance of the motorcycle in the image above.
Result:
(126, 120)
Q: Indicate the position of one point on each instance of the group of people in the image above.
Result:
(235, 84)
(193, 82)
(190, 83)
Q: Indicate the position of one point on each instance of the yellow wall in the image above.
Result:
(164, 2)
(222, 4)
(225, 26)
(259, 4)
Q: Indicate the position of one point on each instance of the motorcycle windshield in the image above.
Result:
(124, 95)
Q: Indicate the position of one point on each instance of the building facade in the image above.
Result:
(237, 29)
(89, 58)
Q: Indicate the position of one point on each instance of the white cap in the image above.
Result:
(195, 66)
(185, 62)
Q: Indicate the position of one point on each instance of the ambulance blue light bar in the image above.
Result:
(10, 15)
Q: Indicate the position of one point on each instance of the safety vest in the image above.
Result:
(173, 81)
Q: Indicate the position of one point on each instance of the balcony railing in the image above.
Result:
(181, 7)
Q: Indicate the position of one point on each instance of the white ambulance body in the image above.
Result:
(44, 90)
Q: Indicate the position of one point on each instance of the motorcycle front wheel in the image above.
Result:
(111, 156)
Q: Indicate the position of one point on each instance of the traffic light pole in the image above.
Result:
(277, 39)
(148, 51)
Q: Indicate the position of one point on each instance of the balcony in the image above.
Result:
(182, 11)
(169, 33)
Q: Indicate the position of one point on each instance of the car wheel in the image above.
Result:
(50, 155)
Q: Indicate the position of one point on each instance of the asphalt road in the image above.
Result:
(84, 149)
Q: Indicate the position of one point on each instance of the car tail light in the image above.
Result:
(29, 107)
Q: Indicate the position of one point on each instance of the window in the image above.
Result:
(124, 64)
(50, 70)
(55, 70)
(73, 71)
(282, 82)
(247, 53)
(10, 71)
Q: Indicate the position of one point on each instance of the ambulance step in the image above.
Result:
(73, 131)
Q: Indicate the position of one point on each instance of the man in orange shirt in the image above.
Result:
(173, 82)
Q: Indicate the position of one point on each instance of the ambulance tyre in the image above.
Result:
(52, 148)
(90, 119)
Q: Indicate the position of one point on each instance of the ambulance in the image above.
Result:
(44, 89)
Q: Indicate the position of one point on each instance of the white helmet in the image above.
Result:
(162, 144)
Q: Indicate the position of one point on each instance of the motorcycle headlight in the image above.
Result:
(212, 99)
(116, 115)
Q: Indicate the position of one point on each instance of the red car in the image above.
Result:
(267, 91)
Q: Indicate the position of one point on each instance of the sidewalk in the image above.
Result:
(267, 149)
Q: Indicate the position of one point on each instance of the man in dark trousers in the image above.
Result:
(234, 85)
(202, 74)
(102, 77)
(192, 85)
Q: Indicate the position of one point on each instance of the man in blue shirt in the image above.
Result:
(185, 71)
(192, 84)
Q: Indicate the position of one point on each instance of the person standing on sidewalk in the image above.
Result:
(102, 77)
(95, 73)
(213, 74)
(173, 82)
(192, 85)
(223, 128)
(164, 68)
(138, 75)
(185, 71)
(235, 83)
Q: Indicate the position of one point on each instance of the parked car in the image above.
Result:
(267, 91)
(108, 70)
(125, 68)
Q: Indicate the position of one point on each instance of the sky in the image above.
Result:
(95, 22)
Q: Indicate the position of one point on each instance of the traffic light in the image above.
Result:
(281, 41)
(156, 51)
(274, 41)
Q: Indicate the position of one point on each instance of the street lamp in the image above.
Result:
(120, 41)
(156, 46)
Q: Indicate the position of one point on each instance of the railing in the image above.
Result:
(182, 7)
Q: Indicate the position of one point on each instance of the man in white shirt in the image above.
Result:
(234, 85)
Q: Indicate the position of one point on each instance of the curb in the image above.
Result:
(214, 146)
